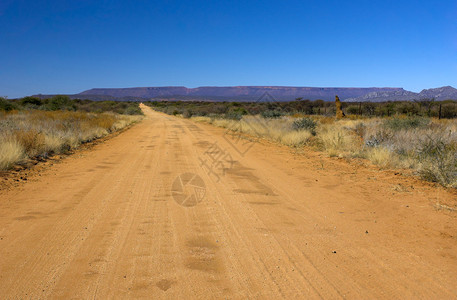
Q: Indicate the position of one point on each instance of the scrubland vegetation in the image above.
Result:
(236, 110)
(418, 142)
(53, 126)
(65, 103)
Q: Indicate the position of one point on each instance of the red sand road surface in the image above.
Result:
(104, 223)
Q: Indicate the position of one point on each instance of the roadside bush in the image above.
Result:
(235, 112)
(133, 110)
(305, 124)
(187, 113)
(438, 160)
(382, 135)
(233, 115)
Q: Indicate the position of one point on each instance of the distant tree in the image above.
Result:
(426, 105)
(31, 101)
(60, 102)
(6, 105)
(369, 108)
(352, 109)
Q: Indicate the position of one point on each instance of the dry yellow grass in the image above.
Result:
(382, 157)
(32, 133)
(337, 140)
(202, 119)
(278, 130)
(11, 152)
(425, 145)
(295, 138)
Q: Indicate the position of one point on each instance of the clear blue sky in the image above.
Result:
(69, 46)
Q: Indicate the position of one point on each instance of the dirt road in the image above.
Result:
(112, 222)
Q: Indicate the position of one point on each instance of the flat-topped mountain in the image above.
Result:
(254, 93)
(234, 93)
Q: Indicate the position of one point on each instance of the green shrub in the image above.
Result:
(438, 160)
(382, 135)
(406, 123)
(271, 114)
(33, 101)
(305, 124)
(60, 102)
(133, 110)
(353, 109)
(233, 115)
(6, 105)
(187, 113)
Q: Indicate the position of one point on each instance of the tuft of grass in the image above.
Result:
(326, 120)
(338, 141)
(11, 152)
(382, 157)
(202, 119)
(226, 123)
(31, 141)
(296, 138)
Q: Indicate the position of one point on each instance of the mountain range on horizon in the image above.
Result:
(254, 93)
(439, 94)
